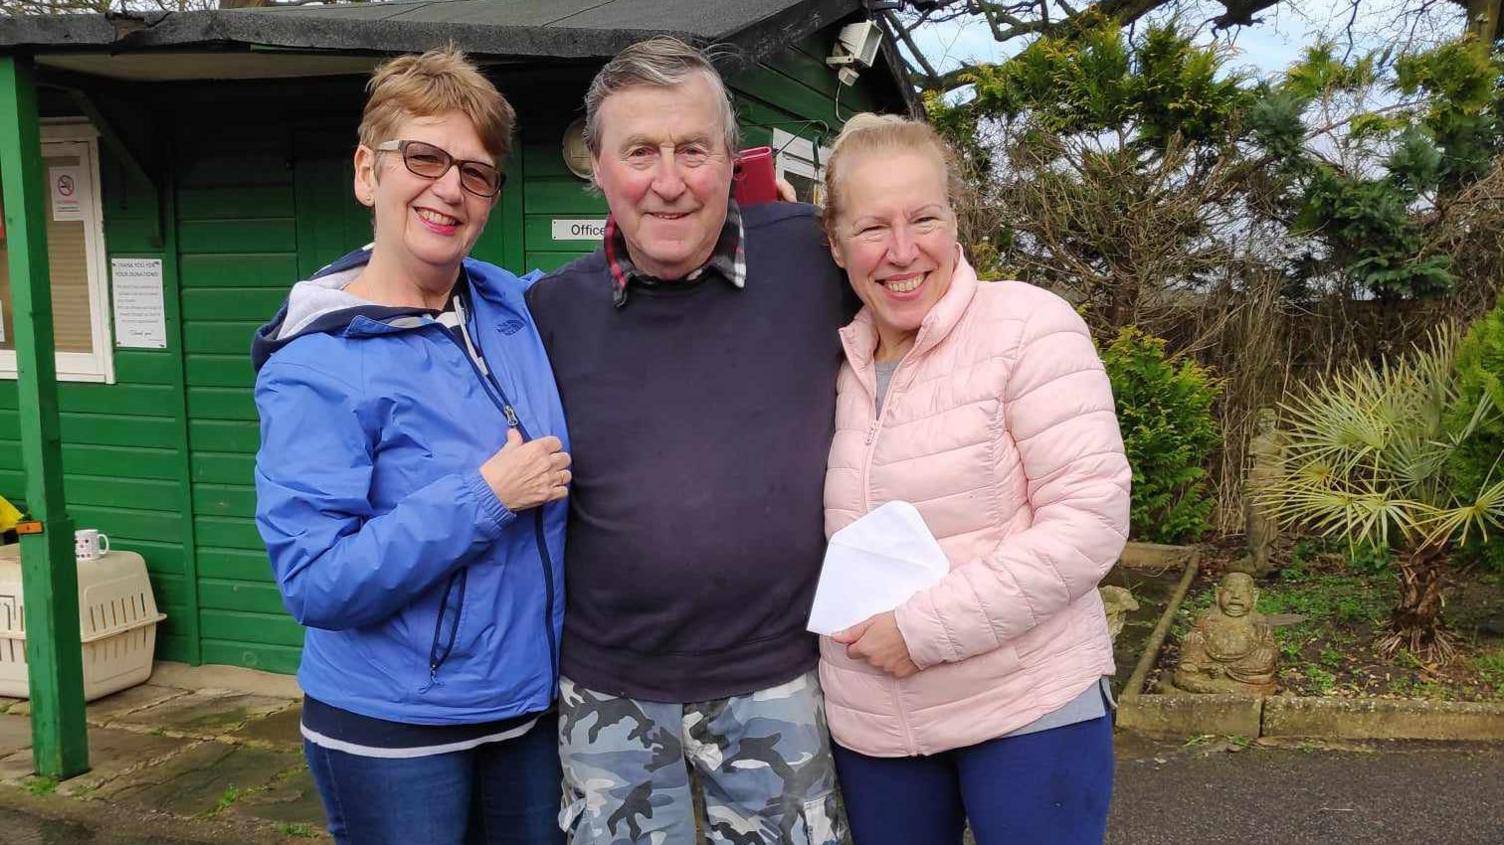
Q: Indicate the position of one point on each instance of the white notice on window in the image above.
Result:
(140, 318)
(67, 193)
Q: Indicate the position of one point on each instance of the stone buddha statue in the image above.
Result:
(1231, 648)
(1117, 602)
(1267, 453)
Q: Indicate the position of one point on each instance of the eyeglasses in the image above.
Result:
(431, 162)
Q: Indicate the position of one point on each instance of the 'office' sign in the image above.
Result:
(579, 230)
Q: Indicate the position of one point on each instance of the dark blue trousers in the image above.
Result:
(1046, 788)
(500, 793)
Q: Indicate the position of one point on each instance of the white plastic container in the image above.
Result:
(117, 622)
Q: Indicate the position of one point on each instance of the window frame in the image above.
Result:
(796, 154)
(98, 366)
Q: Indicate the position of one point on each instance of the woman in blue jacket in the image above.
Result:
(409, 488)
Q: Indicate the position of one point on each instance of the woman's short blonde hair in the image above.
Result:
(437, 82)
(886, 133)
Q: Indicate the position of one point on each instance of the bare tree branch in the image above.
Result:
(1241, 13)
(887, 21)
(1028, 19)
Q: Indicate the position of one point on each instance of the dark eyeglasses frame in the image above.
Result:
(403, 147)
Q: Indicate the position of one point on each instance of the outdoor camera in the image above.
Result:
(856, 47)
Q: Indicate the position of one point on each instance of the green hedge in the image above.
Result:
(1165, 411)
(1479, 461)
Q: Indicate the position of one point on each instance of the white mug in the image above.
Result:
(89, 544)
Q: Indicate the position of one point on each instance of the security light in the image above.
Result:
(856, 44)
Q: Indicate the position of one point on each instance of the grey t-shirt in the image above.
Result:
(884, 375)
(1090, 704)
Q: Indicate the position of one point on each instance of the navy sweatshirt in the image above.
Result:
(700, 417)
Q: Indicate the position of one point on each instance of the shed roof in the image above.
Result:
(489, 30)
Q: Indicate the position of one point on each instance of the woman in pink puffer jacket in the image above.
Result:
(982, 698)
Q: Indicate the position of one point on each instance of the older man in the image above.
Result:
(696, 353)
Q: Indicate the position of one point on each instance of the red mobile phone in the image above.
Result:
(752, 179)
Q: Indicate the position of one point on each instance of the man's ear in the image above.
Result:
(365, 175)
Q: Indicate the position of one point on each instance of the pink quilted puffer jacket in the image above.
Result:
(999, 426)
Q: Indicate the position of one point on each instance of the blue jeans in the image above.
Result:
(1050, 788)
(500, 792)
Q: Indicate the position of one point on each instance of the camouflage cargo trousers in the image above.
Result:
(763, 761)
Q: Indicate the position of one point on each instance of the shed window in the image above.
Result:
(75, 258)
(795, 160)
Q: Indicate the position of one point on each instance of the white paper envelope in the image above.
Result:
(873, 565)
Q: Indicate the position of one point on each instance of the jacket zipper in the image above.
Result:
(436, 655)
(877, 424)
(498, 396)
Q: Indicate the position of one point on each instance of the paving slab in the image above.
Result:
(16, 766)
(291, 799)
(207, 712)
(170, 674)
(116, 753)
(280, 728)
(201, 780)
(15, 734)
(112, 707)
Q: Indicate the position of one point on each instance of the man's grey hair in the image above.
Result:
(660, 62)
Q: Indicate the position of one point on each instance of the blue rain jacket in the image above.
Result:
(426, 600)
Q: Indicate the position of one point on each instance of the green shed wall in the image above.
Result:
(259, 197)
(249, 223)
(124, 456)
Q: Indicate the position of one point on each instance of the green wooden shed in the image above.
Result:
(196, 164)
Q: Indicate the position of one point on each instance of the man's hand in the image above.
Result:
(879, 642)
(786, 190)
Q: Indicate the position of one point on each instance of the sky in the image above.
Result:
(1264, 49)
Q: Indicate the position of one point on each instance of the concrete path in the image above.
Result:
(212, 750)
(212, 754)
(1378, 794)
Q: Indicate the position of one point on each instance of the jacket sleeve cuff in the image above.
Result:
(923, 631)
(495, 515)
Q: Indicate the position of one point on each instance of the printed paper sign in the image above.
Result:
(579, 230)
(140, 316)
(67, 187)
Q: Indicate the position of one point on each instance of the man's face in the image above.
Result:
(666, 173)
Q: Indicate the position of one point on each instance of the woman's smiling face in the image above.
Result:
(425, 223)
(895, 237)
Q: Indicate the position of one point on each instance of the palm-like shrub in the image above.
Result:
(1367, 463)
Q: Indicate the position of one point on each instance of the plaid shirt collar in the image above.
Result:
(728, 259)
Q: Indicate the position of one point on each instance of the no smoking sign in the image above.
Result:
(67, 193)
